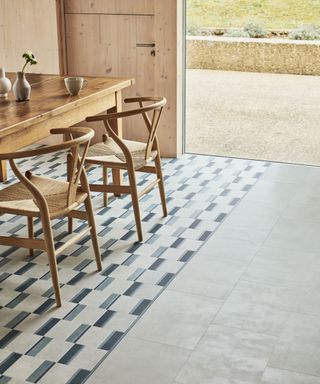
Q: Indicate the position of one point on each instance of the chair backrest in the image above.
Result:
(71, 143)
(76, 159)
(152, 122)
(151, 114)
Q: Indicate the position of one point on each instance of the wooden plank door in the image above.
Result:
(113, 45)
(119, 38)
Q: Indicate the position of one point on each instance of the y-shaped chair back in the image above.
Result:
(151, 114)
(83, 138)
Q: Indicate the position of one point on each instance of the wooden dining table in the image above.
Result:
(50, 106)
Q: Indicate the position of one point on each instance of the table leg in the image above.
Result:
(117, 175)
(3, 170)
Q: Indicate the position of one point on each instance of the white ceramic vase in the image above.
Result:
(21, 87)
(5, 83)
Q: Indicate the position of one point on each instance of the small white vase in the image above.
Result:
(21, 87)
(5, 83)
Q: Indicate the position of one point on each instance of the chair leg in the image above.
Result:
(47, 234)
(157, 161)
(105, 182)
(117, 179)
(69, 170)
(70, 225)
(93, 231)
(135, 202)
(30, 233)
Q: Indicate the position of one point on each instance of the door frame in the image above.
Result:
(184, 75)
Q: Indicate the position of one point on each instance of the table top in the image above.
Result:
(49, 98)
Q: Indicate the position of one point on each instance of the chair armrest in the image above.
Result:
(86, 134)
(145, 98)
(114, 116)
(158, 102)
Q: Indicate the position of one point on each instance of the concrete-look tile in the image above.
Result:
(283, 298)
(177, 318)
(209, 276)
(141, 362)
(255, 307)
(295, 235)
(226, 355)
(313, 177)
(252, 317)
(279, 266)
(308, 194)
(269, 299)
(275, 193)
(305, 205)
(298, 209)
(255, 236)
(226, 244)
(287, 173)
(306, 197)
(256, 215)
(281, 376)
(298, 348)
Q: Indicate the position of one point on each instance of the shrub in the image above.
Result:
(237, 33)
(205, 31)
(192, 30)
(305, 32)
(255, 30)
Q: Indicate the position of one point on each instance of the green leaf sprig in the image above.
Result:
(29, 58)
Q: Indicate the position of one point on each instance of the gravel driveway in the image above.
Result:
(254, 115)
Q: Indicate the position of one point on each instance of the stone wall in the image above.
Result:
(254, 55)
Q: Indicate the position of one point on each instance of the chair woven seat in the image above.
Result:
(45, 198)
(17, 197)
(109, 153)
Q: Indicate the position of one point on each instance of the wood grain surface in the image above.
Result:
(49, 98)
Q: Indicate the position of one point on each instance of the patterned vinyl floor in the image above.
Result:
(42, 344)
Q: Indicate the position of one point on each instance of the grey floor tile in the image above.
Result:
(303, 208)
(234, 243)
(304, 298)
(298, 348)
(177, 318)
(209, 276)
(313, 177)
(275, 193)
(226, 355)
(254, 307)
(252, 317)
(255, 236)
(307, 195)
(288, 173)
(254, 215)
(281, 376)
(295, 235)
(283, 298)
(277, 266)
(141, 362)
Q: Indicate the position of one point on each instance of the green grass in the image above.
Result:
(280, 14)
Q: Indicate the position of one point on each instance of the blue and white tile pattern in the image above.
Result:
(42, 344)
